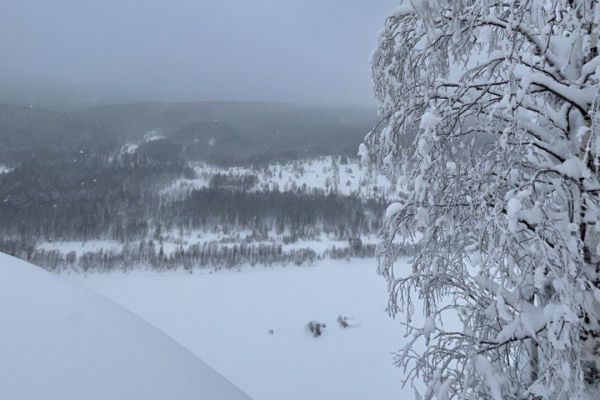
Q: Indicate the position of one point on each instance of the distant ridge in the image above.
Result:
(256, 131)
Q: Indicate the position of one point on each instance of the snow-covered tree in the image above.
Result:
(489, 114)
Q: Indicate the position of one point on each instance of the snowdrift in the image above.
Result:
(61, 341)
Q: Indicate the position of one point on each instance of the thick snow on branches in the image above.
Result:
(489, 110)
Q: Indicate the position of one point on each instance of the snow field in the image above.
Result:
(225, 317)
(313, 174)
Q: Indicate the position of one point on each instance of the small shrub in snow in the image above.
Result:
(343, 321)
(316, 328)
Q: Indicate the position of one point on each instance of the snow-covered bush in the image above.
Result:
(343, 321)
(316, 328)
(489, 113)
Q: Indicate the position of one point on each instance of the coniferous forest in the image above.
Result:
(115, 193)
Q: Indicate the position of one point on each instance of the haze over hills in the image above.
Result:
(206, 130)
(27, 131)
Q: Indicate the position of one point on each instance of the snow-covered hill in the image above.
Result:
(323, 173)
(61, 341)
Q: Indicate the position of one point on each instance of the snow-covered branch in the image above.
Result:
(491, 123)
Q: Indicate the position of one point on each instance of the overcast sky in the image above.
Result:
(309, 51)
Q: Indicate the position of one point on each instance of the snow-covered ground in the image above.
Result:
(318, 173)
(80, 247)
(61, 341)
(225, 318)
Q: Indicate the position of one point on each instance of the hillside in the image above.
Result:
(244, 132)
(27, 132)
(220, 132)
(61, 341)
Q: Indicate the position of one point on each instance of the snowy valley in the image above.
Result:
(240, 297)
(225, 200)
(265, 271)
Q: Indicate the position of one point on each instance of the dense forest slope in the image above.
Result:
(29, 132)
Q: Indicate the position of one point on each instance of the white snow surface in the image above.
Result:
(310, 174)
(153, 135)
(225, 318)
(80, 247)
(61, 341)
(429, 121)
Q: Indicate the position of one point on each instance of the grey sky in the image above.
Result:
(310, 51)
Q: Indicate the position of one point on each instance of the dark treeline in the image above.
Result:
(300, 214)
(85, 196)
(235, 182)
(112, 209)
(151, 254)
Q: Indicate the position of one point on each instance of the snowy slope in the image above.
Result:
(61, 341)
(317, 173)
